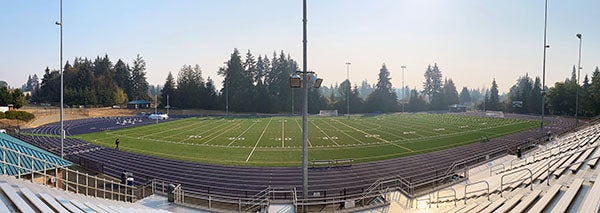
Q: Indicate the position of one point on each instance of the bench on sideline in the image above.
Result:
(331, 163)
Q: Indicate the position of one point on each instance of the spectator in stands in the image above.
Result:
(117, 143)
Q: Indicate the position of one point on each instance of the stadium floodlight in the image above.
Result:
(295, 81)
(318, 83)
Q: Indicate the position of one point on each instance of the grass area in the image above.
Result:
(277, 141)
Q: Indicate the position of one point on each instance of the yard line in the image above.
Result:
(301, 131)
(232, 126)
(282, 133)
(338, 129)
(209, 130)
(236, 138)
(313, 123)
(261, 135)
(376, 137)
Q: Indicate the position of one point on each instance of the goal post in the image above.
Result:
(329, 113)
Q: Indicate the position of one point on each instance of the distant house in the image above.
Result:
(457, 108)
(138, 104)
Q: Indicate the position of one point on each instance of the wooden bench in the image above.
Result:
(68, 205)
(12, 195)
(567, 198)
(53, 203)
(527, 201)
(476, 207)
(590, 204)
(541, 204)
(508, 205)
(39, 204)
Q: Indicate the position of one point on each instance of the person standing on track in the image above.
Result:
(117, 143)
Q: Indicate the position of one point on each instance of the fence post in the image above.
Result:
(87, 185)
(45, 174)
(95, 186)
(3, 160)
(104, 188)
(76, 181)
(66, 179)
(32, 169)
(19, 165)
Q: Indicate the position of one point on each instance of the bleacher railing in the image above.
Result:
(64, 178)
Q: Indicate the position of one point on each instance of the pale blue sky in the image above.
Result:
(472, 41)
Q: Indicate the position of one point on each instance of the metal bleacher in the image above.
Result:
(552, 178)
(23, 196)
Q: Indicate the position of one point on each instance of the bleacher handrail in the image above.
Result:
(127, 195)
(521, 179)
(487, 188)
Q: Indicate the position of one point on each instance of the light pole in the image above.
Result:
(156, 107)
(578, 75)
(348, 92)
(403, 89)
(546, 46)
(62, 129)
(304, 110)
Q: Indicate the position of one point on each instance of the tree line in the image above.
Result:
(261, 84)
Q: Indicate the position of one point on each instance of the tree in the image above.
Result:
(494, 100)
(237, 84)
(383, 99)
(138, 83)
(189, 87)
(18, 99)
(122, 76)
(416, 102)
(433, 87)
(168, 89)
(465, 96)
(450, 93)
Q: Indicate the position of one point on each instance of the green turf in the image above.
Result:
(277, 141)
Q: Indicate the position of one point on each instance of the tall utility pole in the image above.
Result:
(304, 110)
(403, 89)
(546, 46)
(578, 75)
(292, 100)
(348, 92)
(62, 126)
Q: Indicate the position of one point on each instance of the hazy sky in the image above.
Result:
(472, 41)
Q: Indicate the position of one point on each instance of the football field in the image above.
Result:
(277, 141)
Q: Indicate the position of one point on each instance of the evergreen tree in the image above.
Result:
(168, 89)
(494, 99)
(383, 99)
(416, 102)
(137, 82)
(450, 93)
(465, 96)
(433, 87)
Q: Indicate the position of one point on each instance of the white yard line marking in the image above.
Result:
(301, 132)
(209, 130)
(313, 123)
(338, 129)
(282, 133)
(244, 132)
(232, 126)
(261, 135)
(376, 137)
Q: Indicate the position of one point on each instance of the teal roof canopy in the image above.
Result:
(14, 152)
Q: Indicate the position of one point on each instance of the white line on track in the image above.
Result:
(261, 135)
(282, 133)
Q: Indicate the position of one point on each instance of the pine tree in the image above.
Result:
(494, 100)
(168, 90)
(383, 99)
(137, 81)
(465, 96)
